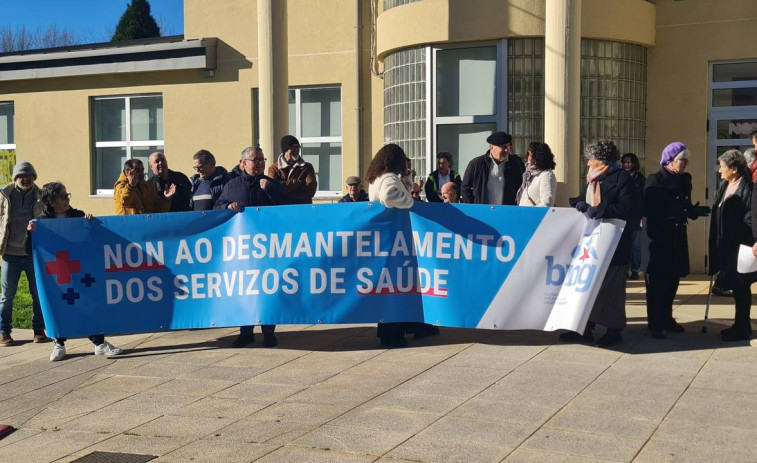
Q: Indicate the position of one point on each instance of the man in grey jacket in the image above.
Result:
(18, 205)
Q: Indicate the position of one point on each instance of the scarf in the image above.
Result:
(594, 177)
(527, 177)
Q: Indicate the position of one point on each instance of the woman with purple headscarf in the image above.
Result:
(667, 207)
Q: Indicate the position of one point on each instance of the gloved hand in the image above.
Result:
(702, 211)
(582, 206)
(591, 212)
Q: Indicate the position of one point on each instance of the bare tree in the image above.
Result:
(22, 38)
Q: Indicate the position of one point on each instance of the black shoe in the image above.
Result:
(610, 338)
(269, 340)
(394, 342)
(243, 340)
(426, 330)
(572, 336)
(737, 335)
(721, 292)
(657, 334)
(634, 276)
(675, 327)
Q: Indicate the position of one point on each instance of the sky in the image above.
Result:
(90, 20)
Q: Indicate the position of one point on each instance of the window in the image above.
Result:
(125, 127)
(7, 142)
(468, 100)
(315, 118)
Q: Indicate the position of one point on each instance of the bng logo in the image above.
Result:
(579, 274)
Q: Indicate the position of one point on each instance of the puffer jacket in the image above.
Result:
(5, 206)
(141, 199)
(297, 179)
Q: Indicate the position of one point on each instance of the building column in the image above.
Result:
(562, 93)
(273, 77)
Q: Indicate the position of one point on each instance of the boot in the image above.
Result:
(610, 338)
(572, 336)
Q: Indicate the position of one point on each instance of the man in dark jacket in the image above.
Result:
(163, 178)
(440, 176)
(297, 176)
(208, 182)
(355, 191)
(252, 188)
(494, 178)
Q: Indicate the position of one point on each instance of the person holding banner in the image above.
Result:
(539, 181)
(610, 194)
(731, 226)
(252, 188)
(668, 208)
(55, 201)
(385, 185)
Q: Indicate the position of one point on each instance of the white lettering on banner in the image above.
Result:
(250, 282)
(133, 256)
(133, 289)
(406, 280)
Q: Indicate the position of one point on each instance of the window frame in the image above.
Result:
(297, 132)
(499, 118)
(10, 146)
(128, 144)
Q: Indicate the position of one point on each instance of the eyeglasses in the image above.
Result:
(256, 159)
(65, 196)
(198, 168)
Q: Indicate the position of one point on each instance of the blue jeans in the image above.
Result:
(12, 267)
(636, 250)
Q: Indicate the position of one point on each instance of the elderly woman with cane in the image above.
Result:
(730, 227)
(667, 208)
(610, 194)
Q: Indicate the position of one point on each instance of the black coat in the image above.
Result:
(433, 189)
(181, 200)
(363, 196)
(638, 180)
(730, 227)
(667, 207)
(619, 201)
(477, 175)
(245, 190)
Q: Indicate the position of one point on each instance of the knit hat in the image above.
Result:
(499, 139)
(24, 168)
(287, 141)
(673, 151)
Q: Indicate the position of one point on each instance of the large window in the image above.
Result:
(7, 141)
(315, 118)
(125, 127)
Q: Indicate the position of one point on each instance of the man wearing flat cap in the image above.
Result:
(494, 178)
(296, 176)
(355, 192)
(19, 203)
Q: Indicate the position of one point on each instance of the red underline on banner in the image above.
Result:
(385, 292)
(135, 269)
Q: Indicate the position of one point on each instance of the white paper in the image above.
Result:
(747, 262)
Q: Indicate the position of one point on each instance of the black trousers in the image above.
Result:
(96, 339)
(743, 299)
(247, 330)
(661, 292)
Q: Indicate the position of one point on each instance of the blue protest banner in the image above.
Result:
(334, 263)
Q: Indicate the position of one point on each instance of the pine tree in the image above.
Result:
(136, 23)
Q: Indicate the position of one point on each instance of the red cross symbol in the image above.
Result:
(585, 255)
(62, 267)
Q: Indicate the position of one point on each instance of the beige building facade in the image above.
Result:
(346, 77)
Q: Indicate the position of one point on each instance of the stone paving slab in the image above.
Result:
(332, 394)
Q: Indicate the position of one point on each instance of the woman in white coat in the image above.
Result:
(539, 181)
(385, 185)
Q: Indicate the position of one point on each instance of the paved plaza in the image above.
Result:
(331, 394)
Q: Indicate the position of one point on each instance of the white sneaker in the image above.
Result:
(59, 351)
(107, 349)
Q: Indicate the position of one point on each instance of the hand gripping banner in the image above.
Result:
(469, 266)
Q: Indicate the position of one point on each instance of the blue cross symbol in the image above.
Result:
(88, 280)
(70, 296)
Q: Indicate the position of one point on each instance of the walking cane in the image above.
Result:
(707, 309)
